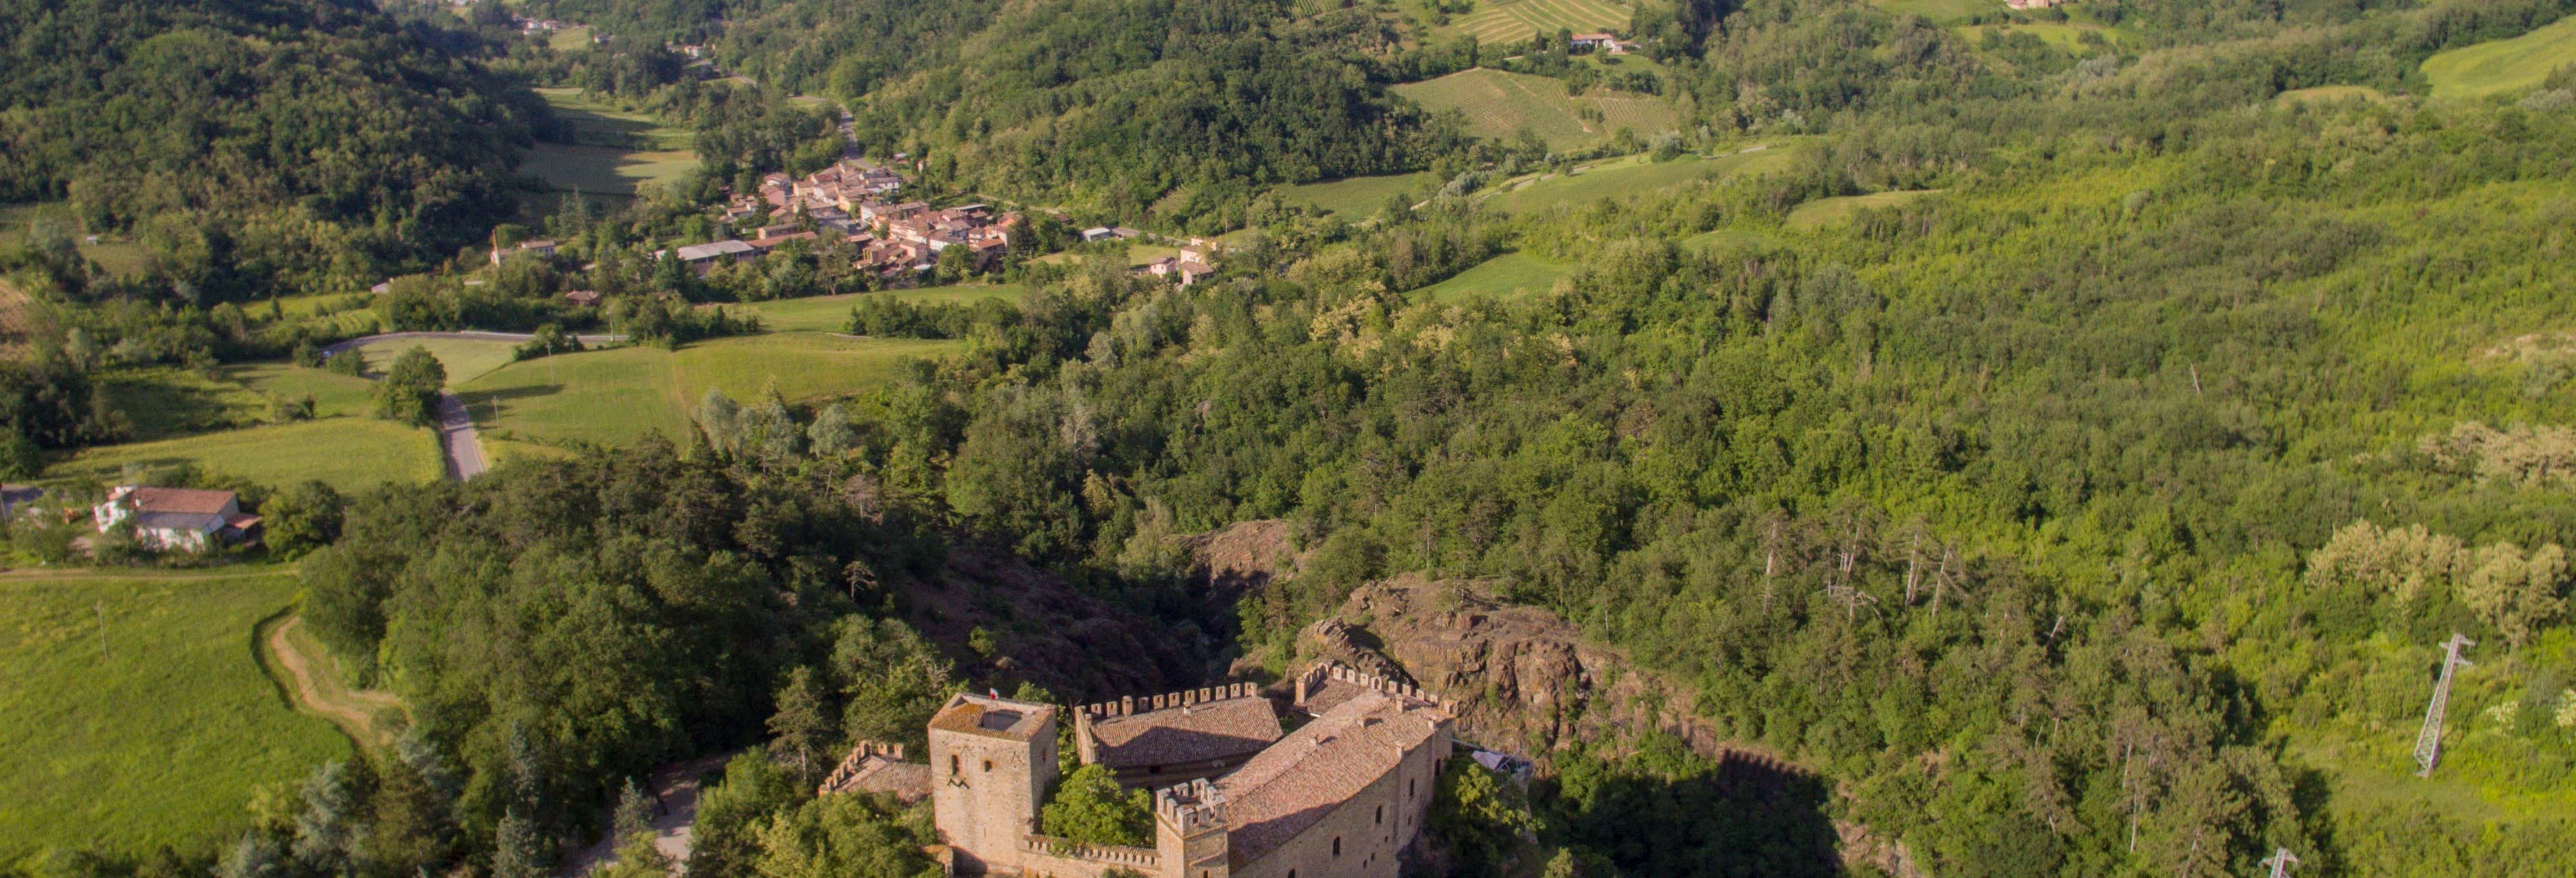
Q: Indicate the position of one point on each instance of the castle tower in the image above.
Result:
(991, 761)
(1190, 830)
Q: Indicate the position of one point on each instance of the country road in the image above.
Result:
(457, 441)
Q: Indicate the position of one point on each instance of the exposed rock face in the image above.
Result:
(1525, 680)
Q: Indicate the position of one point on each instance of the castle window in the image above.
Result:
(1337, 845)
(1408, 785)
(988, 765)
(953, 767)
(1381, 813)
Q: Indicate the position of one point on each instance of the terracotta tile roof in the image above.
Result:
(1299, 780)
(1189, 733)
(187, 500)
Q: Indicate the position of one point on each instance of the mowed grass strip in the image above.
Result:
(2502, 65)
(1499, 104)
(616, 396)
(1503, 278)
(156, 733)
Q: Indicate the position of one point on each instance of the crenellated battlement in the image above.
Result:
(1313, 680)
(1191, 808)
(1143, 859)
(1131, 705)
(857, 761)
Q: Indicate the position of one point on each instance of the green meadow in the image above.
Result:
(465, 359)
(222, 424)
(617, 395)
(119, 254)
(1499, 104)
(136, 713)
(1505, 277)
(2503, 65)
(1358, 198)
(612, 150)
(832, 313)
(1629, 176)
(1828, 212)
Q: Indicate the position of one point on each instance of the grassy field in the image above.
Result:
(2502, 65)
(832, 313)
(161, 738)
(571, 39)
(1505, 277)
(1620, 178)
(615, 396)
(465, 359)
(613, 150)
(1498, 105)
(1825, 212)
(1725, 238)
(165, 402)
(1939, 11)
(1358, 198)
(2331, 93)
(350, 453)
(2068, 36)
(1510, 23)
(119, 254)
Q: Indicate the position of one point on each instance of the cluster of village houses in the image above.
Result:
(856, 202)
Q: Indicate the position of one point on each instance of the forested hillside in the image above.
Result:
(308, 144)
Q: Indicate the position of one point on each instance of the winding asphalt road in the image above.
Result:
(462, 447)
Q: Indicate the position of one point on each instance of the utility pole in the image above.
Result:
(2428, 745)
(2281, 861)
(102, 632)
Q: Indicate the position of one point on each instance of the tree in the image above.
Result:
(802, 727)
(2513, 591)
(409, 393)
(517, 850)
(302, 517)
(635, 810)
(20, 457)
(327, 833)
(833, 433)
(723, 843)
(351, 362)
(1089, 806)
(857, 835)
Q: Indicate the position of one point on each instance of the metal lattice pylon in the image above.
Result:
(2428, 745)
(2281, 861)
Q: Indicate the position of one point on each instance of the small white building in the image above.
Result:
(177, 518)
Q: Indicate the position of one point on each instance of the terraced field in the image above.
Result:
(1498, 105)
(1514, 21)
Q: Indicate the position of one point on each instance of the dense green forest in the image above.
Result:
(303, 144)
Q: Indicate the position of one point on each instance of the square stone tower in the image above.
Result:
(991, 762)
(1190, 831)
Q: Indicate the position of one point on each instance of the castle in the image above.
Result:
(1234, 795)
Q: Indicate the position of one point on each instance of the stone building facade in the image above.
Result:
(1343, 794)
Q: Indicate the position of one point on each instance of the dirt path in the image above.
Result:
(675, 790)
(353, 711)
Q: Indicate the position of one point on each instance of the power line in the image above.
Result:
(2280, 862)
(2428, 745)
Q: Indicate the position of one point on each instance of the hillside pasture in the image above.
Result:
(1503, 278)
(1498, 105)
(1358, 198)
(832, 313)
(2505, 65)
(615, 396)
(1509, 24)
(464, 358)
(1940, 11)
(118, 254)
(1829, 212)
(163, 402)
(1630, 176)
(612, 151)
(349, 453)
(136, 713)
(2068, 36)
